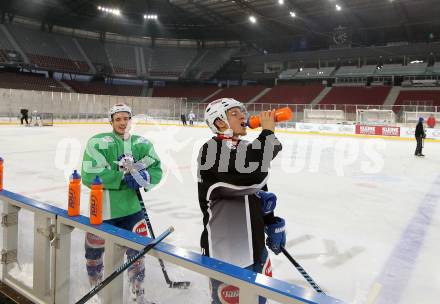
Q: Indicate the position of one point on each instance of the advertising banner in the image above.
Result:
(326, 128)
(378, 130)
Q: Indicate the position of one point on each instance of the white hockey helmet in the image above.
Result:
(120, 107)
(217, 110)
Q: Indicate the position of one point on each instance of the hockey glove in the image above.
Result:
(137, 179)
(276, 235)
(128, 164)
(268, 201)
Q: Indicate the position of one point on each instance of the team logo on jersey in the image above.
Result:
(228, 294)
(107, 139)
(142, 140)
(141, 228)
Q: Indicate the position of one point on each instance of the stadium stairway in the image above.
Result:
(66, 86)
(259, 95)
(14, 43)
(83, 53)
(320, 96)
(146, 92)
(109, 58)
(213, 94)
(392, 96)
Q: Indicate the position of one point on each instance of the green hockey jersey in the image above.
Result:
(101, 159)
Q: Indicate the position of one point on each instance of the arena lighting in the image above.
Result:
(280, 2)
(150, 16)
(338, 7)
(113, 11)
(252, 19)
(292, 14)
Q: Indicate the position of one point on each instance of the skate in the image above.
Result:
(139, 297)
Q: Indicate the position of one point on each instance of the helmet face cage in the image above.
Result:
(119, 108)
(217, 110)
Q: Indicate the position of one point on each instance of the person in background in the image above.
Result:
(183, 119)
(191, 117)
(125, 163)
(431, 121)
(24, 116)
(420, 135)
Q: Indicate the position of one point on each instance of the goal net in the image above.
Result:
(323, 116)
(375, 117)
(41, 119)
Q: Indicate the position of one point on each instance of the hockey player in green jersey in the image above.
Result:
(109, 155)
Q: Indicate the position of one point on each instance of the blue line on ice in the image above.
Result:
(400, 264)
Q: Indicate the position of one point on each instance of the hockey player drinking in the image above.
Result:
(124, 163)
(232, 178)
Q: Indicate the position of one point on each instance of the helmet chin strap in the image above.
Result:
(228, 133)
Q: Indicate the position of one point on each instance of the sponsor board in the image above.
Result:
(391, 131)
(366, 130)
(432, 133)
(326, 128)
(407, 132)
(410, 133)
(378, 130)
(307, 127)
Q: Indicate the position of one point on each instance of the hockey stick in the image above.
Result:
(124, 266)
(302, 271)
(171, 284)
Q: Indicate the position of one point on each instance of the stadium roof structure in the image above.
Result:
(315, 22)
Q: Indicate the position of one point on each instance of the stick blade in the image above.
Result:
(180, 285)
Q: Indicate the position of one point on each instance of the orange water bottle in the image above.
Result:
(74, 194)
(282, 114)
(96, 202)
(1, 174)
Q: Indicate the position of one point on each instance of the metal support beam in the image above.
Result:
(405, 19)
(113, 258)
(43, 251)
(62, 263)
(216, 17)
(10, 237)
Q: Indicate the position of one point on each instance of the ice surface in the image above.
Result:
(361, 214)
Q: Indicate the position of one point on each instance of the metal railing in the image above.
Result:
(52, 257)
(89, 107)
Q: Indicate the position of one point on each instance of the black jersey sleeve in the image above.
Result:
(236, 170)
(264, 149)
